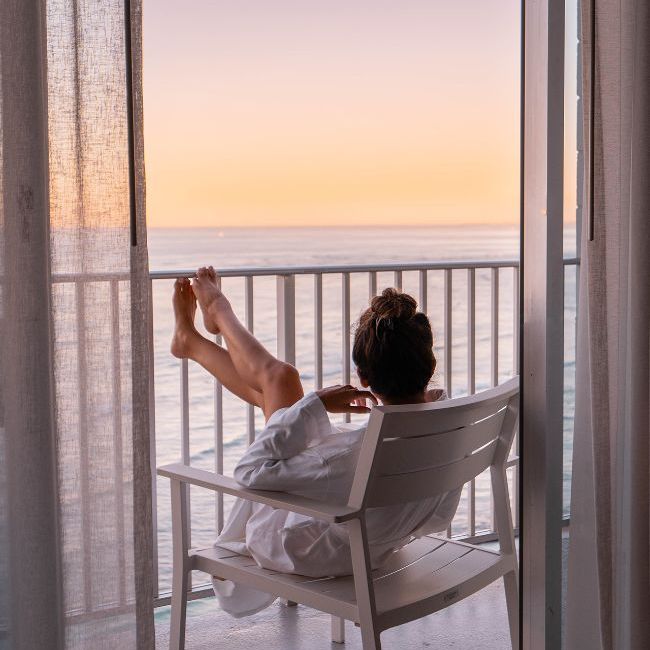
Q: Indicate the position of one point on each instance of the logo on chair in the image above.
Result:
(450, 595)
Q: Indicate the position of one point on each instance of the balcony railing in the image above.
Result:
(308, 312)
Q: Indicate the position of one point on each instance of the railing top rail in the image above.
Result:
(344, 268)
(250, 271)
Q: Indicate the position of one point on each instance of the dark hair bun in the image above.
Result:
(393, 346)
(393, 304)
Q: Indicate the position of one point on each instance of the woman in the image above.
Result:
(300, 451)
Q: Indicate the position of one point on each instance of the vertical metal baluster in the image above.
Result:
(397, 279)
(494, 338)
(424, 291)
(448, 325)
(372, 284)
(494, 342)
(218, 444)
(318, 330)
(448, 355)
(117, 435)
(471, 331)
(84, 479)
(185, 442)
(286, 328)
(218, 439)
(345, 334)
(286, 317)
(152, 444)
(248, 296)
(471, 377)
(185, 413)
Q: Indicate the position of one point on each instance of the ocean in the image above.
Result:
(186, 249)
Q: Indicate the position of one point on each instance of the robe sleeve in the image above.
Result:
(283, 456)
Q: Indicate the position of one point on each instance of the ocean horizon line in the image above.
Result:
(343, 226)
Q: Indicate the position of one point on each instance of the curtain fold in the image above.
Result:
(144, 454)
(30, 591)
(608, 600)
(75, 465)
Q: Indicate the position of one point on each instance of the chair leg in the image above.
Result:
(338, 630)
(370, 636)
(512, 603)
(363, 585)
(179, 609)
(181, 566)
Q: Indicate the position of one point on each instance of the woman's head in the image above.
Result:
(393, 347)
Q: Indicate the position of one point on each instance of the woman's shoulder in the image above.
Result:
(436, 395)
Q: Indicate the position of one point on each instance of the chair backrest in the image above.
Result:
(416, 451)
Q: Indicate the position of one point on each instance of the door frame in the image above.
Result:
(542, 322)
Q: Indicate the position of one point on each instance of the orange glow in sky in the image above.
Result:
(331, 112)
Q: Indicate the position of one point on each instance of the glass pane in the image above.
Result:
(573, 157)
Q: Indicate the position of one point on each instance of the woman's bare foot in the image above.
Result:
(184, 303)
(211, 299)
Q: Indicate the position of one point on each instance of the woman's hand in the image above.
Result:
(345, 399)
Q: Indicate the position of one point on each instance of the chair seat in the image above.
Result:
(423, 577)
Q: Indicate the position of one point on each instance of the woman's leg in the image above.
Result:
(278, 381)
(188, 343)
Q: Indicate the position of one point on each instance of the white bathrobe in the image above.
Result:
(301, 452)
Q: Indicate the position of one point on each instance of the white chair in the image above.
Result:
(409, 452)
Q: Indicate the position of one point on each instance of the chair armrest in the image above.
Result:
(302, 505)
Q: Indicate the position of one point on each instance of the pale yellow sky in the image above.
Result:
(330, 112)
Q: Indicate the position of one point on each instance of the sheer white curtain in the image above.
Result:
(608, 604)
(75, 474)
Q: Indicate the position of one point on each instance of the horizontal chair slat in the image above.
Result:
(451, 583)
(404, 488)
(301, 589)
(282, 500)
(401, 455)
(412, 420)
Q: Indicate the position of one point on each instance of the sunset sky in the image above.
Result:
(312, 112)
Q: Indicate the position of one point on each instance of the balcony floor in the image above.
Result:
(479, 622)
